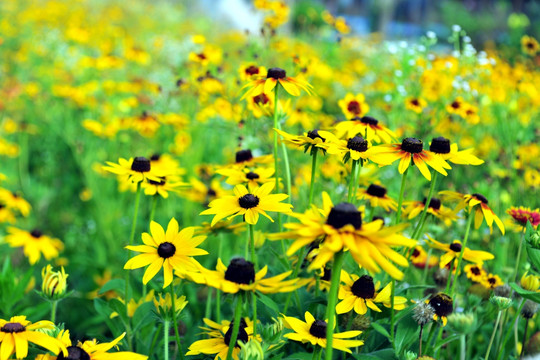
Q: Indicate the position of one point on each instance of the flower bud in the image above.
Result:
(530, 282)
(462, 323)
(252, 350)
(529, 309)
(501, 302)
(54, 283)
(164, 305)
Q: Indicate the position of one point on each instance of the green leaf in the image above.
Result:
(117, 285)
(406, 334)
(378, 328)
(268, 302)
(143, 315)
(300, 356)
(531, 295)
(534, 256)
(446, 340)
(102, 308)
(120, 308)
(384, 354)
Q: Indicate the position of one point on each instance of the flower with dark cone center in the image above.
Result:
(354, 107)
(155, 157)
(261, 99)
(415, 102)
(440, 145)
(344, 214)
(2, 206)
(368, 120)
(74, 353)
(412, 145)
(248, 201)
(240, 271)
(434, 203)
(318, 329)
(252, 70)
(140, 164)
(166, 250)
(12, 327)
(357, 143)
(160, 182)
(455, 104)
(480, 197)
(327, 274)
(36, 233)
(442, 304)
(364, 287)
(252, 176)
(376, 190)
(313, 134)
(243, 155)
(455, 247)
(378, 218)
(415, 253)
(242, 334)
(211, 193)
(276, 73)
(476, 270)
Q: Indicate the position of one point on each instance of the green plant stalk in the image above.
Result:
(463, 246)
(256, 263)
(236, 325)
(152, 213)
(296, 270)
(54, 304)
(426, 268)
(516, 268)
(208, 308)
(493, 335)
(356, 177)
(218, 292)
(175, 322)
(392, 312)
(154, 340)
(276, 159)
(166, 339)
(400, 199)
(501, 350)
(313, 172)
(332, 299)
(524, 339)
(463, 347)
(351, 181)
(316, 353)
(420, 341)
(420, 223)
(288, 181)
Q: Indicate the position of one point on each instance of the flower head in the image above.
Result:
(274, 77)
(366, 126)
(133, 170)
(522, 214)
(454, 249)
(353, 106)
(92, 350)
(54, 283)
(449, 152)
(34, 244)
(378, 197)
(443, 305)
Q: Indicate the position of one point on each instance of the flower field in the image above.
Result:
(175, 188)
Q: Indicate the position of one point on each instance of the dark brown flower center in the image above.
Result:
(276, 73)
(364, 287)
(415, 253)
(166, 250)
(248, 201)
(140, 164)
(261, 99)
(243, 155)
(480, 197)
(442, 304)
(327, 276)
(201, 56)
(12, 327)
(357, 143)
(252, 70)
(440, 145)
(415, 102)
(313, 134)
(455, 104)
(475, 270)
(456, 247)
(354, 107)
(344, 214)
(240, 271)
(155, 157)
(434, 203)
(74, 353)
(36, 233)
(242, 334)
(160, 182)
(318, 329)
(369, 120)
(376, 190)
(252, 176)
(412, 145)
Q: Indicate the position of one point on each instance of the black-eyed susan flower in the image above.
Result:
(470, 202)
(34, 244)
(16, 333)
(355, 148)
(522, 215)
(250, 177)
(274, 77)
(416, 104)
(449, 152)
(134, 170)
(171, 250)
(314, 331)
(353, 106)
(529, 45)
(454, 249)
(419, 258)
(491, 281)
(310, 140)
(14, 201)
(378, 197)
(340, 227)
(250, 71)
(163, 186)
(435, 208)
(366, 126)
(457, 106)
(6, 215)
(410, 148)
(92, 350)
(220, 337)
(248, 203)
(240, 275)
(443, 305)
(360, 293)
(475, 272)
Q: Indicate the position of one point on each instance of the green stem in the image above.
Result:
(332, 299)
(54, 303)
(524, 338)
(251, 230)
(463, 347)
(208, 309)
(400, 199)
(152, 213)
(288, 181)
(431, 334)
(516, 268)
(316, 353)
(351, 181)
(236, 325)
(154, 340)
(420, 341)
(313, 172)
(356, 177)
(276, 159)
(296, 270)
(502, 345)
(175, 322)
(392, 312)
(493, 335)
(458, 266)
(166, 339)
(420, 224)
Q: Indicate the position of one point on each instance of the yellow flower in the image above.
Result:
(441, 147)
(419, 258)
(134, 305)
(366, 126)
(247, 176)
(13, 201)
(92, 350)
(491, 281)
(529, 45)
(435, 208)
(132, 170)
(250, 71)
(416, 104)
(171, 250)
(377, 197)
(16, 333)
(54, 283)
(274, 77)
(453, 250)
(308, 140)
(353, 106)
(355, 148)
(359, 293)
(530, 282)
(475, 272)
(249, 204)
(164, 305)
(34, 244)
(314, 332)
(163, 186)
